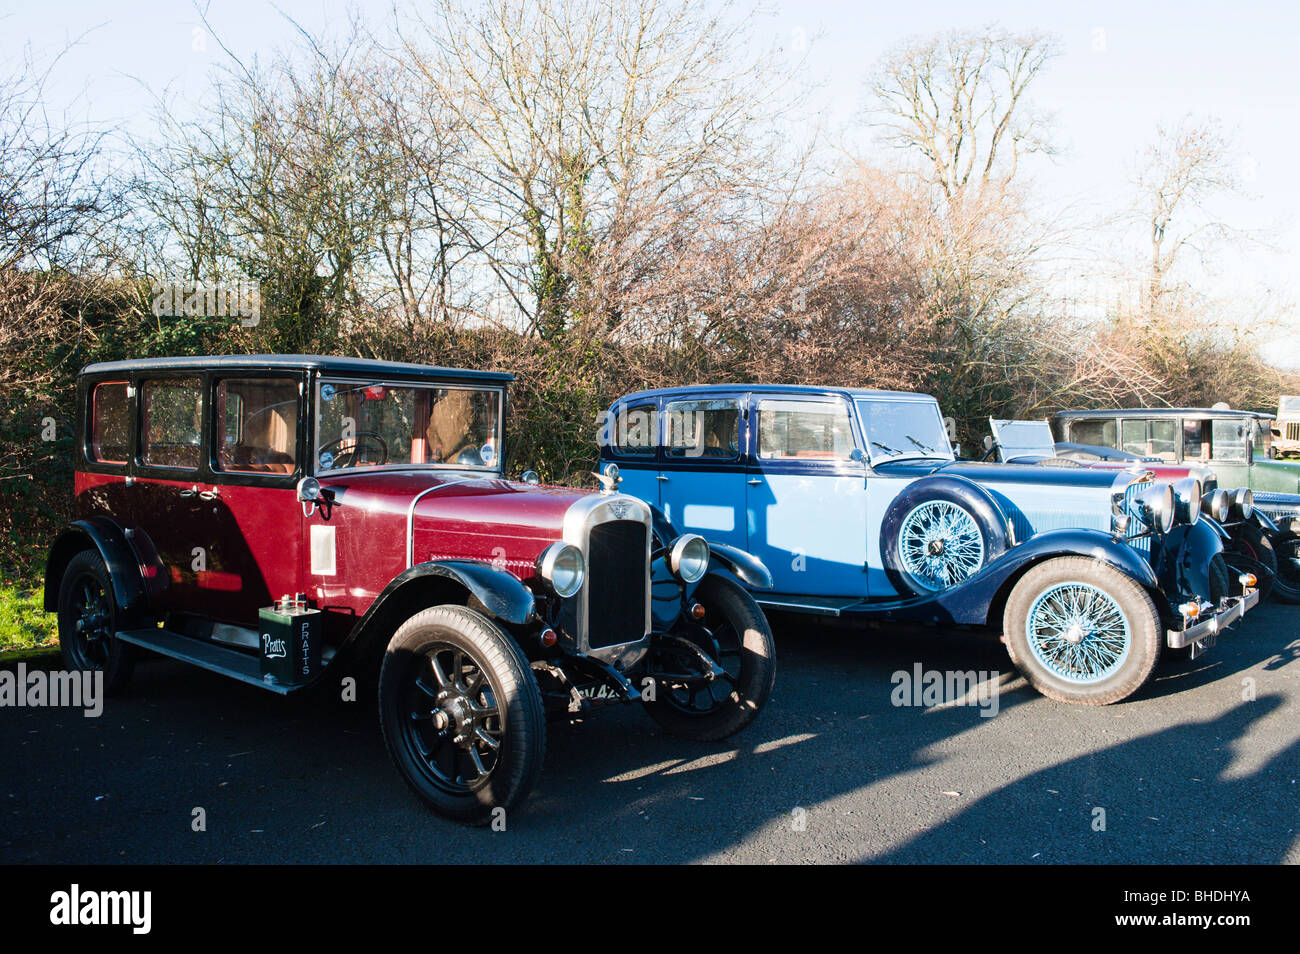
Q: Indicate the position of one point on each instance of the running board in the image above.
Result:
(817, 605)
(209, 656)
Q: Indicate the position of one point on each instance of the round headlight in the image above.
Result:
(1243, 503)
(561, 566)
(1217, 505)
(1187, 497)
(688, 557)
(1156, 507)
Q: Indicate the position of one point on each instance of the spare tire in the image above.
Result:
(938, 533)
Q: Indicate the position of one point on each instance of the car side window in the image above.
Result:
(109, 423)
(1196, 441)
(1228, 440)
(1164, 440)
(804, 430)
(1133, 437)
(1094, 433)
(703, 429)
(636, 431)
(171, 414)
(257, 423)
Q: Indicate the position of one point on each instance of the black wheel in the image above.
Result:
(87, 623)
(939, 532)
(1250, 551)
(735, 637)
(1286, 585)
(461, 713)
(1081, 631)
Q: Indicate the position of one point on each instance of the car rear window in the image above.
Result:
(171, 417)
(257, 423)
(636, 430)
(109, 423)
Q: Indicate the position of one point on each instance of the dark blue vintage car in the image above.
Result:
(854, 501)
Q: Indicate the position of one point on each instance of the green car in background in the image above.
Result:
(1236, 445)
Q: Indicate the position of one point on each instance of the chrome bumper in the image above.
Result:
(1238, 606)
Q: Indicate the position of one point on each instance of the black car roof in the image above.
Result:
(328, 363)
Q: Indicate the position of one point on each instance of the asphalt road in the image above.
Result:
(1202, 766)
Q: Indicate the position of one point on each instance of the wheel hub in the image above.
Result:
(1075, 633)
(936, 547)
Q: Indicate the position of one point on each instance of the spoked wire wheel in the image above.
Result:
(1078, 632)
(940, 545)
(453, 720)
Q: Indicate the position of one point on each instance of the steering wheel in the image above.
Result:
(350, 456)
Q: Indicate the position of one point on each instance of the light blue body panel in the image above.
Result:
(810, 530)
(707, 503)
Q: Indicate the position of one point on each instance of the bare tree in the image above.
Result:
(958, 100)
(1183, 171)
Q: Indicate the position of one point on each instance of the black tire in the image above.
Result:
(1286, 585)
(904, 522)
(88, 623)
(444, 668)
(736, 635)
(1133, 656)
(1250, 551)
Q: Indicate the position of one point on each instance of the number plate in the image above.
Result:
(1203, 644)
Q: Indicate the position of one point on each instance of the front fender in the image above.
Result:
(977, 600)
(504, 596)
(1183, 562)
(746, 567)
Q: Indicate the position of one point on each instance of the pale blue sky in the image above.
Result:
(1125, 67)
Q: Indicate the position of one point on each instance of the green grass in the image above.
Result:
(24, 624)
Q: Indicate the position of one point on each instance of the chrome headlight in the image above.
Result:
(688, 558)
(1217, 505)
(1243, 503)
(1155, 507)
(1187, 500)
(562, 567)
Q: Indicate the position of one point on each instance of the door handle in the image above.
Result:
(190, 492)
(753, 482)
(661, 477)
(212, 494)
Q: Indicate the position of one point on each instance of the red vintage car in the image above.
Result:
(277, 518)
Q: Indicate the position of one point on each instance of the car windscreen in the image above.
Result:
(363, 423)
(1017, 439)
(898, 429)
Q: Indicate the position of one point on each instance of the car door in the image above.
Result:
(806, 505)
(254, 520)
(702, 470)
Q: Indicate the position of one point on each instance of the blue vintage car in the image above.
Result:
(854, 501)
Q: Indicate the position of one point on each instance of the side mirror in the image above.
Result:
(988, 442)
(530, 477)
(857, 456)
